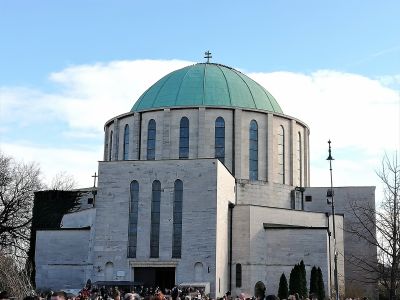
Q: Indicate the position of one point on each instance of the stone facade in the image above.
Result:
(236, 230)
(208, 188)
(62, 258)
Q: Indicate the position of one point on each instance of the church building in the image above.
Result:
(206, 182)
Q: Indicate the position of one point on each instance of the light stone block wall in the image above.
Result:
(339, 219)
(260, 252)
(199, 215)
(225, 195)
(62, 258)
(353, 246)
(263, 193)
(79, 219)
(287, 247)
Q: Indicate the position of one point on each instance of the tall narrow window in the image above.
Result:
(111, 146)
(299, 161)
(220, 139)
(133, 219)
(155, 219)
(184, 138)
(253, 151)
(151, 140)
(177, 222)
(281, 155)
(126, 142)
(238, 275)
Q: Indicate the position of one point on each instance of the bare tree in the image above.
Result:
(18, 181)
(14, 280)
(381, 228)
(63, 181)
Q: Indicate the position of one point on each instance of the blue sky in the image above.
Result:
(334, 65)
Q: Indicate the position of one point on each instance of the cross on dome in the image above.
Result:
(208, 55)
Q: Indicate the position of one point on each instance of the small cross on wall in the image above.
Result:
(94, 179)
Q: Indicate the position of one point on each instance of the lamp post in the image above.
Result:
(330, 194)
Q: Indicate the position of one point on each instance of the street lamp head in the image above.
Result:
(329, 151)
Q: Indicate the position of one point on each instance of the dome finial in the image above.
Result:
(208, 55)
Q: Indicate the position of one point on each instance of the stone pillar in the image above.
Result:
(135, 137)
(270, 147)
(115, 147)
(306, 157)
(105, 157)
(292, 153)
(201, 139)
(166, 134)
(238, 143)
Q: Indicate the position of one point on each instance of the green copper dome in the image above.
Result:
(207, 84)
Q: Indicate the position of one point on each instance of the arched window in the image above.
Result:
(220, 139)
(109, 271)
(151, 140)
(198, 272)
(133, 219)
(126, 142)
(155, 219)
(184, 138)
(281, 154)
(253, 151)
(299, 161)
(111, 146)
(238, 275)
(177, 221)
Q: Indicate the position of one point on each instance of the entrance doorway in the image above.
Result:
(161, 277)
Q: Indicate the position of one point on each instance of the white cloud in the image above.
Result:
(80, 164)
(94, 94)
(88, 95)
(361, 115)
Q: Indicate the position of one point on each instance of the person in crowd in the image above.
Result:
(116, 294)
(60, 295)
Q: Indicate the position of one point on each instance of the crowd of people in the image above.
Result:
(90, 292)
(139, 293)
(142, 293)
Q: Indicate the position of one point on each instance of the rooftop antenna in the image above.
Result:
(208, 55)
(330, 193)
